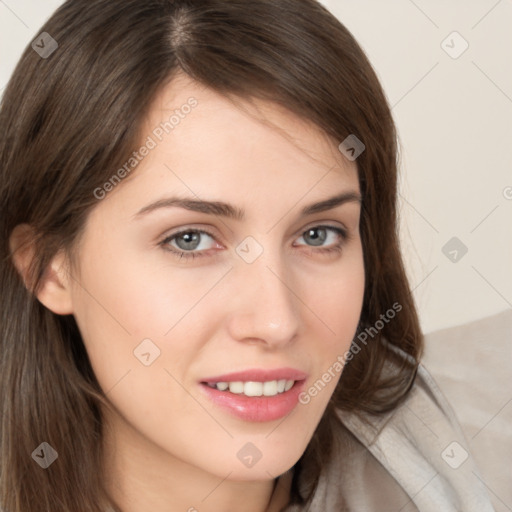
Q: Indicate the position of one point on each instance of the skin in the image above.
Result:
(167, 447)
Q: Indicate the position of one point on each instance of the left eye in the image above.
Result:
(319, 234)
(189, 243)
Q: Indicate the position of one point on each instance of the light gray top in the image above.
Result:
(412, 459)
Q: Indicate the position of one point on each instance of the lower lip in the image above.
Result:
(256, 408)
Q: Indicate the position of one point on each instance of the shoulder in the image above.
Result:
(422, 446)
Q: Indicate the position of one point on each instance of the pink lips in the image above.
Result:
(257, 408)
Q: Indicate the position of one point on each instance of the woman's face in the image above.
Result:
(278, 292)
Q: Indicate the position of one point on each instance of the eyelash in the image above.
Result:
(190, 254)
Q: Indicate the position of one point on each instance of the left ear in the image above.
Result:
(55, 288)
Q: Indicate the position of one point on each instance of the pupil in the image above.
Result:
(317, 240)
(190, 240)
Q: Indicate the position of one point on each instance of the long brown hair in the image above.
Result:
(70, 119)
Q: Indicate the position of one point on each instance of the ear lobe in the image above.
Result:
(55, 289)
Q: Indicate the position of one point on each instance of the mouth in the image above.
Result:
(256, 395)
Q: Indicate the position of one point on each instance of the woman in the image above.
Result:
(204, 303)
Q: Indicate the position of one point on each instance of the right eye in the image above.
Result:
(186, 243)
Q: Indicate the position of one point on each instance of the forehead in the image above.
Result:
(216, 115)
(205, 145)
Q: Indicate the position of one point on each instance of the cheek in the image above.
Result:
(125, 295)
(341, 302)
(337, 299)
(150, 301)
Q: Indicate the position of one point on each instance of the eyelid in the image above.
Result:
(324, 224)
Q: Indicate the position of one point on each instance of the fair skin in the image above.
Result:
(168, 447)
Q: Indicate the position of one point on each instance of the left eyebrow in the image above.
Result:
(332, 202)
(230, 211)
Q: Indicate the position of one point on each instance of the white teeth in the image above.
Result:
(236, 387)
(269, 388)
(253, 388)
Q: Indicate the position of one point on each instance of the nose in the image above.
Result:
(264, 305)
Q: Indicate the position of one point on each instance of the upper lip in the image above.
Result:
(258, 375)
